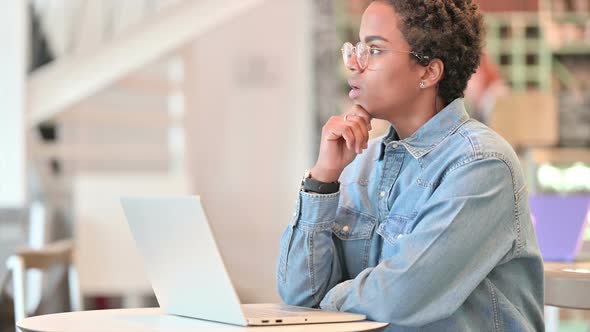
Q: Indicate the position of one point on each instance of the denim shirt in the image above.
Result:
(429, 233)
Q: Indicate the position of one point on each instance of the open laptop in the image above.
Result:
(188, 274)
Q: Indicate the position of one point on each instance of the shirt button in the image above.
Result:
(382, 194)
(345, 228)
(394, 145)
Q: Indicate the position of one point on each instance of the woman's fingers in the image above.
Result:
(349, 138)
(360, 136)
(361, 112)
(360, 129)
(352, 128)
(364, 129)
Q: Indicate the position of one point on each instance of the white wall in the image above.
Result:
(13, 62)
(249, 129)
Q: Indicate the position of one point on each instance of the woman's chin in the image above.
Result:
(374, 112)
(360, 103)
(364, 106)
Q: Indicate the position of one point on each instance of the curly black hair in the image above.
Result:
(450, 30)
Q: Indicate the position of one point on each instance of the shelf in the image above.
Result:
(518, 47)
(578, 49)
(572, 17)
(560, 155)
(516, 43)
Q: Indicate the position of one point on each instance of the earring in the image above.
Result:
(422, 84)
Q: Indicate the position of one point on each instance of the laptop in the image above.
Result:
(187, 272)
(560, 223)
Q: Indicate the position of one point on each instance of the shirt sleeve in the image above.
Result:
(308, 263)
(462, 232)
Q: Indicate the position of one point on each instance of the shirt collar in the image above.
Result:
(432, 133)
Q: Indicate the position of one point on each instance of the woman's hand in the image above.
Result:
(343, 138)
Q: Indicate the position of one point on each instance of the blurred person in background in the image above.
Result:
(428, 227)
(484, 87)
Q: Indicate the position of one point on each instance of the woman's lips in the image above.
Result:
(354, 93)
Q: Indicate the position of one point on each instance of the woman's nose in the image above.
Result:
(353, 64)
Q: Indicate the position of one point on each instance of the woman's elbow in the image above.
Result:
(298, 297)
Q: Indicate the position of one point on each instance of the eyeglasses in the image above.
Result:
(363, 54)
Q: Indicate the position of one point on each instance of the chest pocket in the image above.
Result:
(391, 230)
(352, 237)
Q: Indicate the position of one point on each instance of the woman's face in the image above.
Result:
(391, 80)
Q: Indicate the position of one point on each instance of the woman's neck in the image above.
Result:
(414, 116)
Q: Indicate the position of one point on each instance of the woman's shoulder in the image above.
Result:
(485, 142)
(479, 142)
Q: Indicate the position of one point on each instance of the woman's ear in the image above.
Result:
(433, 73)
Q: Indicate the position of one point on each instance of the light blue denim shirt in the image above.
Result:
(429, 233)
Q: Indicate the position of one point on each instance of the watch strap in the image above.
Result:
(313, 185)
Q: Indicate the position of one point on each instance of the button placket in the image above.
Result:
(392, 164)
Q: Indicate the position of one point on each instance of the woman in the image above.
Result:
(428, 227)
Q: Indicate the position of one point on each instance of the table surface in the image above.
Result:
(575, 270)
(153, 319)
(567, 284)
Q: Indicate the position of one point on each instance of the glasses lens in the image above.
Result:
(362, 55)
(347, 50)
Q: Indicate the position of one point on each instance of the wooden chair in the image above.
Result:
(58, 253)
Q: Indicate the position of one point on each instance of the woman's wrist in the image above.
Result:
(325, 175)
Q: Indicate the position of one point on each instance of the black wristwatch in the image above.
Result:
(309, 184)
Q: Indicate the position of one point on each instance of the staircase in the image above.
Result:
(95, 68)
(117, 104)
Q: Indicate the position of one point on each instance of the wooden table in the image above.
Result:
(567, 285)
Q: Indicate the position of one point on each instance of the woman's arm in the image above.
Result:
(463, 232)
(308, 264)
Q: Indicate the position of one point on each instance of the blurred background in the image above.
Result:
(101, 98)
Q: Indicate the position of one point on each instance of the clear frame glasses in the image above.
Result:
(363, 54)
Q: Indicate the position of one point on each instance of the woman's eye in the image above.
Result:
(375, 51)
